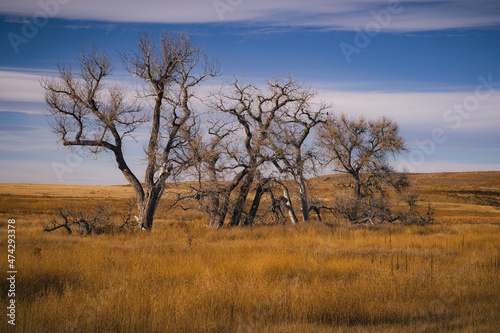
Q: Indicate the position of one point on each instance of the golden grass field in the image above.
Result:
(318, 277)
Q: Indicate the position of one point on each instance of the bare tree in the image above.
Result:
(85, 222)
(88, 114)
(257, 112)
(232, 151)
(360, 148)
(292, 155)
(215, 158)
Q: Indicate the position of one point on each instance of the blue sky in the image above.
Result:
(431, 65)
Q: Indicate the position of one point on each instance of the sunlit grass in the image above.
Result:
(185, 277)
(193, 279)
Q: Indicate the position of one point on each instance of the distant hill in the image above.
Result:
(456, 197)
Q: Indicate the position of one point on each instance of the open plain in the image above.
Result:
(324, 276)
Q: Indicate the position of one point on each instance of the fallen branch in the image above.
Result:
(363, 220)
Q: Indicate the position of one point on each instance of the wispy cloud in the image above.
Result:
(10, 148)
(422, 15)
(89, 172)
(7, 128)
(21, 91)
(17, 87)
(20, 86)
(429, 109)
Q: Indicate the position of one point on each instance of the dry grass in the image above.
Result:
(185, 277)
(467, 197)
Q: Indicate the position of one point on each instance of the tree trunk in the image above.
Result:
(217, 211)
(357, 190)
(146, 214)
(239, 204)
(147, 207)
(276, 209)
(216, 206)
(356, 186)
(213, 210)
(303, 197)
(256, 202)
(214, 220)
(223, 208)
(288, 204)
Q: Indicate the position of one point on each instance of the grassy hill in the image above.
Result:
(456, 197)
(472, 197)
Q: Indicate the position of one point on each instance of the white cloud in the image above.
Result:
(17, 86)
(436, 108)
(21, 91)
(423, 15)
(422, 109)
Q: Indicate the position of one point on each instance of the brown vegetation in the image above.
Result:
(314, 277)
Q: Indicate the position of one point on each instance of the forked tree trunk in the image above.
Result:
(147, 207)
(239, 204)
(256, 202)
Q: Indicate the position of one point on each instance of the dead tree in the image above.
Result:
(292, 156)
(98, 220)
(360, 148)
(66, 222)
(85, 222)
(256, 113)
(215, 158)
(406, 212)
(88, 114)
(287, 201)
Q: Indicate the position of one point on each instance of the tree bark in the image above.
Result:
(357, 189)
(303, 197)
(256, 202)
(288, 204)
(223, 211)
(213, 210)
(217, 211)
(239, 204)
(147, 207)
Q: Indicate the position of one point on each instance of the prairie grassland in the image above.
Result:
(319, 277)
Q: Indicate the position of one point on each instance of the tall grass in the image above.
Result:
(185, 277)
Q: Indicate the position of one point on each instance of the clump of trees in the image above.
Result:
(254, 134)
(237, 138)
